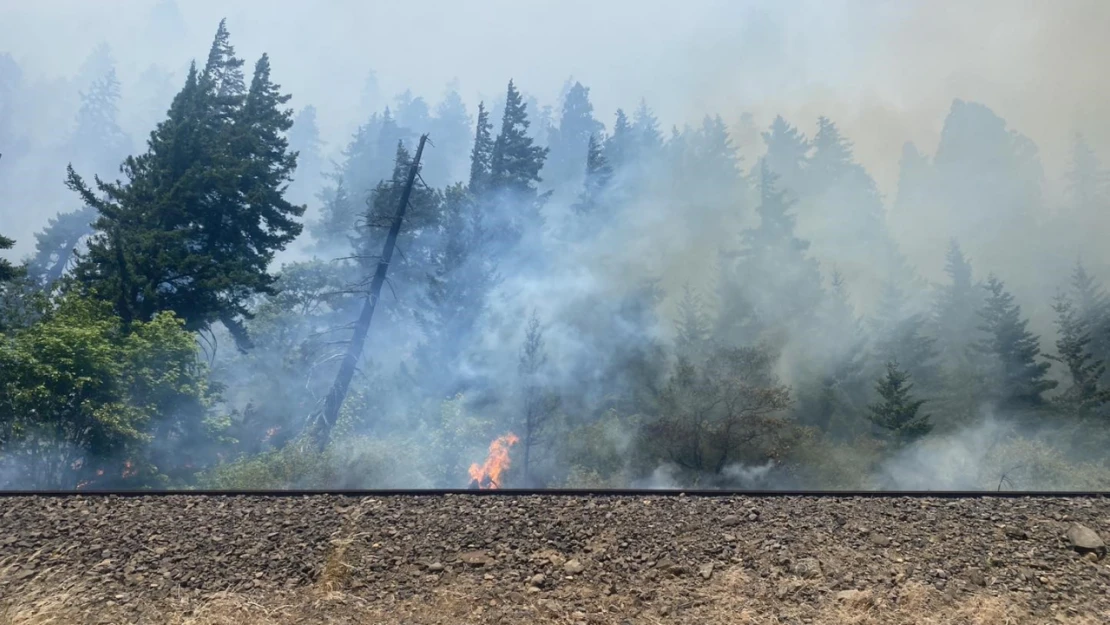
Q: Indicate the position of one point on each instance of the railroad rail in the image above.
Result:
(566, 492)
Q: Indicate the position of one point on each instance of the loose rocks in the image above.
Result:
(578, 554)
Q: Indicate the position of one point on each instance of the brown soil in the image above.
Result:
(468, 559)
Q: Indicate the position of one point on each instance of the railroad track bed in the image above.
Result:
(636, 557)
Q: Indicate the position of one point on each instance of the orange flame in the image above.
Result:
(128, 469)
(488, 475)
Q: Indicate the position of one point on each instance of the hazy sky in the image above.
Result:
(886, 70)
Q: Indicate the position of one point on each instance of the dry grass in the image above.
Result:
(725, 601)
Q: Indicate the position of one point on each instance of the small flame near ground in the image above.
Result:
(487, 476)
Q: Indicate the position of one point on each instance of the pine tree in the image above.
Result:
(715, 159)
(900, 337)
(222, 78)
(1021, 379)
(459, 282)
(515, 163)
(692, 328)
(1072, 347)
(1087, 181)
(831, 160)
(304, 140)
(339, 217)
(898, 412)
(56, 247)
(412, 112)
(956, 312)
(7, 271)
(539, 402)
(787, 152)
(914, 174)
(598, 176)
(1092, 308)
(481, 155)
(620, 147)
(98, 143)
(451, 130)
(569, 144)
(772, 279)
(196, 224)
(646, 127)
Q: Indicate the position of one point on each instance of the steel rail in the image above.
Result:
(566, 492)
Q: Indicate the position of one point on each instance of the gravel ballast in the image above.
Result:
(576, 559)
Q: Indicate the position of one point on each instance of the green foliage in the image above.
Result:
(7, 271)
(1021, 380)
(481, 155)
(83, 398)
(196, 225)
(56, 246)
(898, 412)
(1085, 392)
(515, 162)
(598, 176)
(723, 412)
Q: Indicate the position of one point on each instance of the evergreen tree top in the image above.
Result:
(223, 71)
(898, 412)
(958, 267)
(515, 163)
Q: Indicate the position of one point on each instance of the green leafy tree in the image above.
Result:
(196, 224)
(1021, 380)
(83, 399)
(721, 413)
(899, 412)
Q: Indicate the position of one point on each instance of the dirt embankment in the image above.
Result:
(468, 559)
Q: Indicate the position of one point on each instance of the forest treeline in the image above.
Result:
(639, 306)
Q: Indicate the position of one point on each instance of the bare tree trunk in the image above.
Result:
(338, 392)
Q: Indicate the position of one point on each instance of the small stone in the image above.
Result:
(1015, 533)
(848, 595)
(977, 578)
(573, 567)
(807, 568)
(475, 558)
(435, 567)
(730, 521)
(1083, 539)
(706, 571)
(538, 579)
(880, 541)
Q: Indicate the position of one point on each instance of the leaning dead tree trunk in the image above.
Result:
(338, 393)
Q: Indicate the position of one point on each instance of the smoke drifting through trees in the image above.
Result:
(705, 305)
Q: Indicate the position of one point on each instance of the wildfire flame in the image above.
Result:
(128, 470)
(488, 475)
